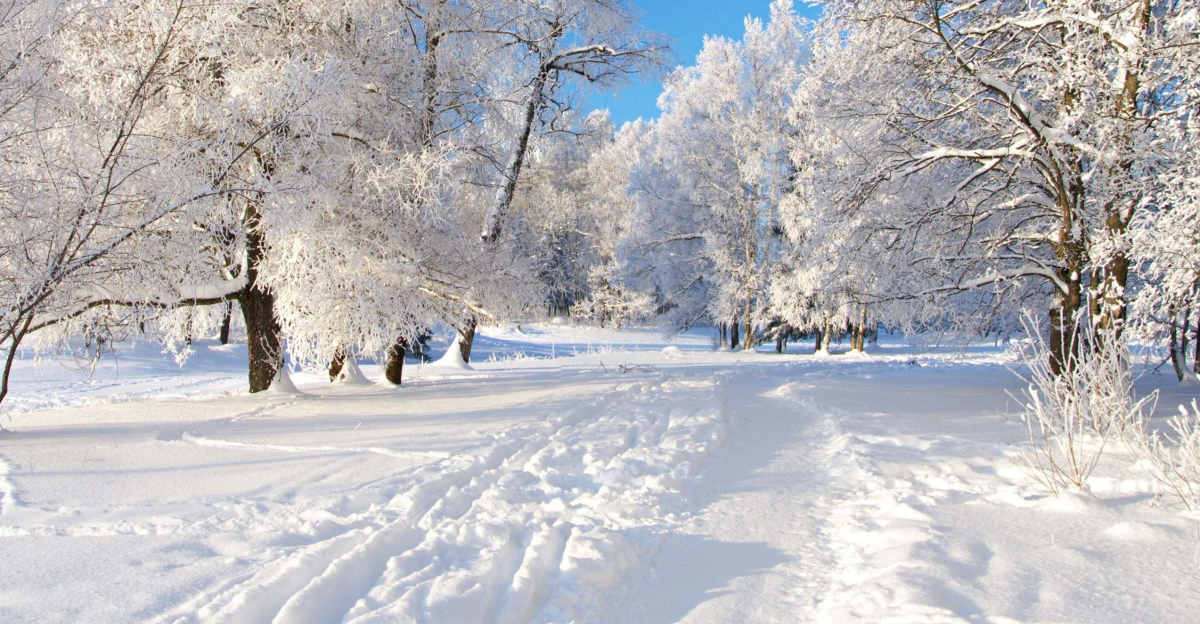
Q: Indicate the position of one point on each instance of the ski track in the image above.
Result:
(533, 526)
(188, 436)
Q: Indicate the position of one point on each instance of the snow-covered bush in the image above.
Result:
(1071, 415)
(1173, 459)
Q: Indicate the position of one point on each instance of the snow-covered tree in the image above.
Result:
(1003, 149)
(712, 176)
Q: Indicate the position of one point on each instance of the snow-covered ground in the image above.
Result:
(571, 475)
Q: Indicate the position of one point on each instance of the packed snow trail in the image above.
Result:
(759, 551)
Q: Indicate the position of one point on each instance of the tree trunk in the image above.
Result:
(262, 337)
(1070, 251)
(494, 219)
(466, 339)
(1178, 347)
(1196, 351)
(226, 321)
(817, 344)
(9, 358)
(1118, 214)
(733, 335)
(828, 334)
(1109, 310)
(394, 370)
(1064, 328)
(336, 364)
(861, 333)
(258, 311)
(1183, 339)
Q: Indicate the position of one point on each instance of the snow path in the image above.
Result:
(759, 551)
(536, 524)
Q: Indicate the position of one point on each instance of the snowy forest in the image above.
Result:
(288, 193)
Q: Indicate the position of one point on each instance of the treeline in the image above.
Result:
(347, 175)
(941, 165)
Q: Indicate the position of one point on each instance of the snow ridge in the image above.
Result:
(533, 527)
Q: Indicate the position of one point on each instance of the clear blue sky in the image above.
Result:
(685, 22)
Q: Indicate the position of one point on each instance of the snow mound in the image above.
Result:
(1071, 503)
(452, 358)
(1140, 531)
(351, 374)
(672, 351)
(283, 384)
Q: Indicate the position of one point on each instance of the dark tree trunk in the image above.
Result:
(1196, 351)
(1064, 327)
(18, 335)
(1180, 326)
(862, 331)
(258, 311)
(466, 339)
(733, 334)
(1071, 251)
(262, 337)
(1184, 338)
(337, 364)
(1177, 355)
(748, 336)
(512, 172)
(394, 370)
(226, 321)
(817, 344)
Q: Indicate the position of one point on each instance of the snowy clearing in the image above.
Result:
(619, 478)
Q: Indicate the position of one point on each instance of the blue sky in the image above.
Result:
(686, 22)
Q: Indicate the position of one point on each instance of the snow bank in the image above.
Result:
(926, 534)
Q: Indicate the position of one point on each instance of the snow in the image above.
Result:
(574, 475)
(351, 374)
